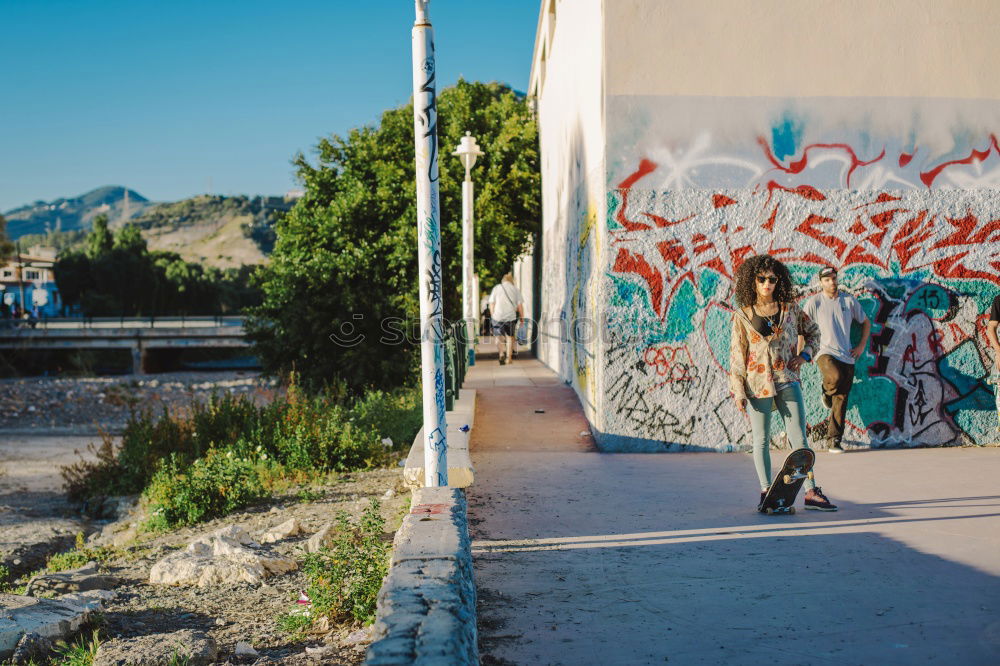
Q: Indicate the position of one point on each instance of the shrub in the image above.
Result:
(345, 578)
(397, 415)
(212, 486)
(222, 455)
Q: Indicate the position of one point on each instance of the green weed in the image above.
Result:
(295, 624)
(79, 556)
(80, 652)
(345, 578)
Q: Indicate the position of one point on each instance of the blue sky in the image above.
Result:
(175, 97)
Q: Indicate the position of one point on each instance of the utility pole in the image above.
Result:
(425, 141)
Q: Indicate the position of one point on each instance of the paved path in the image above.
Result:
(590, 558)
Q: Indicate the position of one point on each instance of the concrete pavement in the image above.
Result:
(590, 558)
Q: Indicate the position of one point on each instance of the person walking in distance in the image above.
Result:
(834, 311)
(506, 312)
(764, 365)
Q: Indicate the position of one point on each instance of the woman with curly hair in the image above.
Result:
(764, 362)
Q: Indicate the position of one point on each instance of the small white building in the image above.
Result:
(27, 282)
(679, 137)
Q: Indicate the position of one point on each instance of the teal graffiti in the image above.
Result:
(786, 135)
(681, 314)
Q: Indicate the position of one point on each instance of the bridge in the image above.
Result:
(145, 337)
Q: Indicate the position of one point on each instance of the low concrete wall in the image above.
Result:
(460, 472)
(427, 604)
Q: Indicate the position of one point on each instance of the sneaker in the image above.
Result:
(835, 447)
(827, 401)
(815, 499)
(503, 359)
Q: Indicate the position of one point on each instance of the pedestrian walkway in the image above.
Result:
(590, 558)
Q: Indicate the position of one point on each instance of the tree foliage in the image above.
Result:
(6, 247)
(116, 275)
(345, 261)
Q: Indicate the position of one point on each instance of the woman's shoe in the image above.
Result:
(815, 499)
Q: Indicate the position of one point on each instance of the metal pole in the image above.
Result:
(429, 249)
(469, 295)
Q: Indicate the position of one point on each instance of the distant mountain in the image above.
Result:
(76, 213)
(209, 229)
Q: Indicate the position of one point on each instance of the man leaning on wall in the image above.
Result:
(834, 311)
(991, 334)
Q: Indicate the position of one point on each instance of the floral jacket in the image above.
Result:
(757, 362)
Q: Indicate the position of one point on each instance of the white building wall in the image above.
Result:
(567, 84)
(852, 133)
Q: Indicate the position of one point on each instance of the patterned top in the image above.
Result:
(758, 362)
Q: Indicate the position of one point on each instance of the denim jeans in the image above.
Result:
(789, 404)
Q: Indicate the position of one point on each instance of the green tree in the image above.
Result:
(118, 276)
(99, 241)
(345, 260)
(6, 247)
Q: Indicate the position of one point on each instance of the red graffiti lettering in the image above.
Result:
(934, 339)
(797, 166)
(975, 156)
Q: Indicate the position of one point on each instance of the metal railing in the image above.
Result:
(182, 321)
(456, 361)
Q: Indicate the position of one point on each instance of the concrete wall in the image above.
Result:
(862, 135)
(567, 79)
(892, 176)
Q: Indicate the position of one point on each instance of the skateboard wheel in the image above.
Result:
(788, 479)
(791, 511)
(810, 475)
(769, 511)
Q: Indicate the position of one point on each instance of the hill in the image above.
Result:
(212, 230)
(76, 213)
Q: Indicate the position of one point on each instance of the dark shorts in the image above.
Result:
(504, 327)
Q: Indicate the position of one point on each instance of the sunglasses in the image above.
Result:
(761, 279)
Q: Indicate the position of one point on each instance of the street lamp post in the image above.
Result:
(467, 152)
(425, 142)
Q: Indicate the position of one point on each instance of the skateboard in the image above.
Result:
(780, 497)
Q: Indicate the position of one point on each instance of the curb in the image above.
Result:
(427, 604)
(460, 471)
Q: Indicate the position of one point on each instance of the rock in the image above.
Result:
(389, 494)
(318, 653)
(322, 538)
(228, 555)
(363, 635)
(48, 618)
(75, 580)
(32, 648)
(91, 600)
(194, 648)
(244, 649)
(285, 530)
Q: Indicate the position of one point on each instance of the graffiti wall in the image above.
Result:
(902, 196)
(572, 137)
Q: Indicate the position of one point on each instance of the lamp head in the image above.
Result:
(467, 152)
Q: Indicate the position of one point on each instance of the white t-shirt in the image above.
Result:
(504, 300)
(834, 317)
